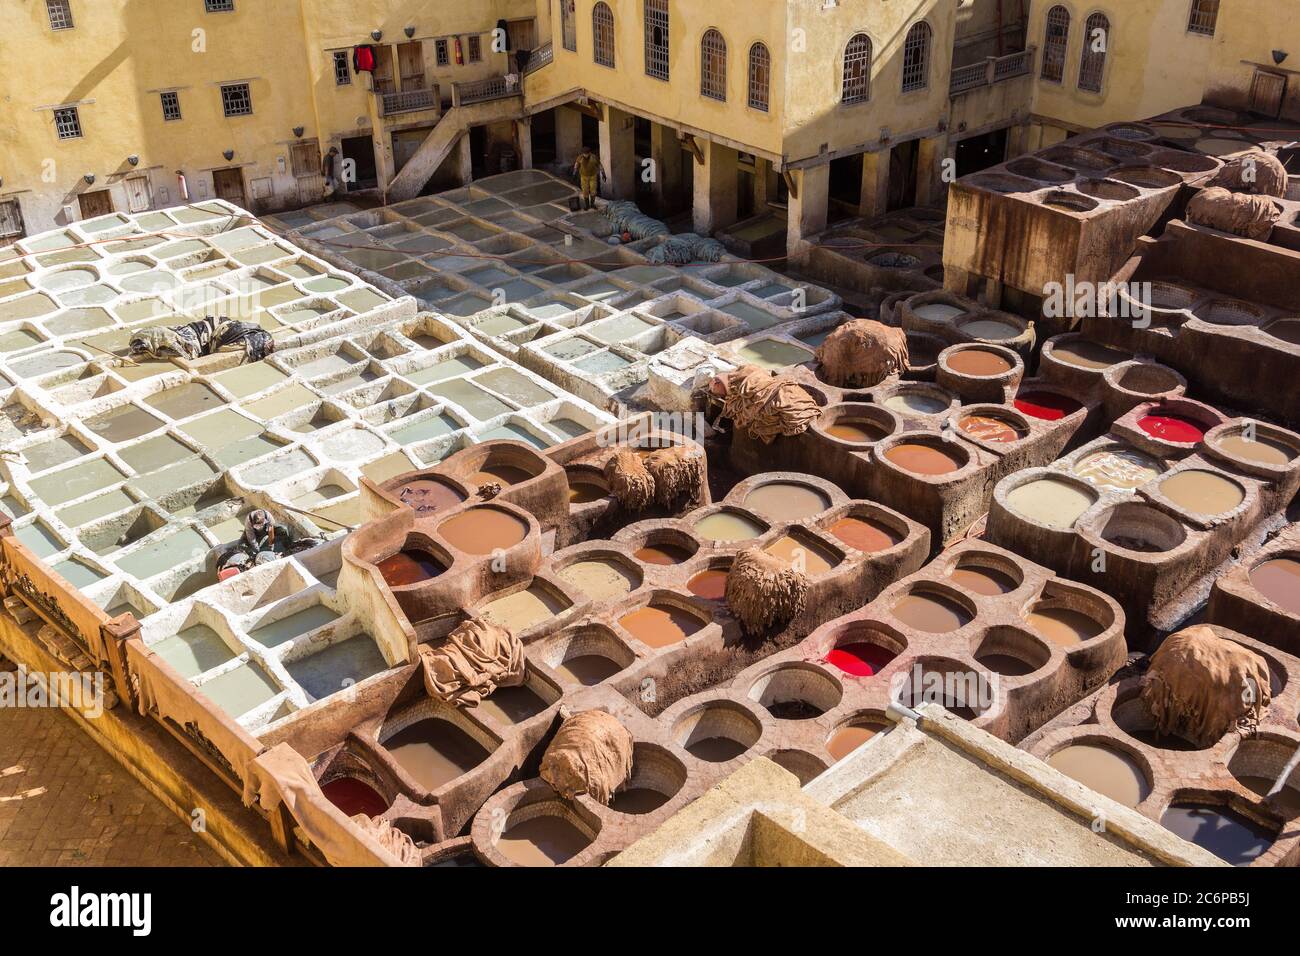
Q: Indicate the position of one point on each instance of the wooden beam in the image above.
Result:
(790, 183)
(691, 146)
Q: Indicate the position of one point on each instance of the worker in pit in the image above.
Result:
(590, 172)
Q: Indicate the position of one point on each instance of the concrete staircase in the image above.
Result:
(444, 137)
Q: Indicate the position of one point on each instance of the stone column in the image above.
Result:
(874, 198)
(808, 204)
(618, 154)
(568, 134)
(931, 153)
(715, 188)
(464, 160)
(524, 139)
(668, 157)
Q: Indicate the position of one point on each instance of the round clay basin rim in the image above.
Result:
(1088, 607)
(1233, 429)
(747, 712)
(938, 662)
(512, 454)
(867, 717)
(708, 511)
(1009, 414)
(981, 559)
(525, 518)
(994, 315)
(1090, 735)
(675, 534)
(1114, 374)
(1179, 407)
(949, 593)
(1216, 798)
(1287, 553)
(930, 440)
(1047, 652)
(554, 651)
(868, 511)
(1248, 495)
(424, 543)
(775, 668)
(1010, 355)
(856, 411)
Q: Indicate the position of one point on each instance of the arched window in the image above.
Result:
(568, 27)
(713, 66)
(602, 34)
(656, 38)
(1204, 17)
(857, 70)
(1096, 41)
(1056, 40)
(916, 58)
(760, 76)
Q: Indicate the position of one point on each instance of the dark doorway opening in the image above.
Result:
(591, 132)
(542, 130)
(903, 160)
(478, 150)
(361, 150)
(981, 152)
(845, 187)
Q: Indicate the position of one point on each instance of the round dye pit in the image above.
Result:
(1279, 580)
(1262, 451)
(1064, 626)
(638, 800)
(992, 329)
(865, 535)
(1090, 355)
(1047, 406)
(352, 796)
(804, 553)
(587, 669)
(979, 363)
(923, 459)
(1229, 835)
(1123, 468)
(501, 474)
(1171, 427)
(857, 430)
(544, 840)
(860, 658)
(717, 732)
(581, 492)
(786, 501)
(850, 737)
(483, 530)
(434, 752)
(1110, 772)
(427, 497)
(726, 526)
(660, 625)
(991, 428)
(600, 578)
(409, 567)
(917, 403)
(937, 311)
(796, 692)
(984, 580)
(1287, 330)
(1202, 492)
(663, 554)
(710, 585)
(1049, 501)
(931, 612)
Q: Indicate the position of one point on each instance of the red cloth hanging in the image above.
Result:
(460, 54)
(363, 59)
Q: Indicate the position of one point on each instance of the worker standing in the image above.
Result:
(590, 172)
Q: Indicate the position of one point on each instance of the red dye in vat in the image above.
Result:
(860, 659)
(1046, 405)
(409, 567)
(352, 796)
(1170, 427)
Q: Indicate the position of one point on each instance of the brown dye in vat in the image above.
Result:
(1279, 581)
(581, 492)
(922, 459)
(1261, 450)
(501, 474)
(435, 752)
(512, 705)
(483, 530)
(426, 497)
(725, 526)
(864, 535)
(587, 669)
(542, 841)
(638, 800)
(990, 428)
(930, 612)
(848, 739)
(599, 578)
(1087, 354)
(659, 625)
(815, 559)
(988, 581)
(1202, 492)
(1109, 772)
(1005, 664)
(716, 749)
(1064, 626)
(710, 585)
(856, 430)
(786, 501)
(661, 554)
(977, 362)
(409, 567)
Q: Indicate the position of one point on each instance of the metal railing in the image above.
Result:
(993, 69)
(480, 91)
(408, 101)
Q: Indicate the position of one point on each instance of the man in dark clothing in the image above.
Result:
(330, 170)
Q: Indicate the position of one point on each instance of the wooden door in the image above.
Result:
(384, 82)
(139, 195)
(410, 64)
(1267, 91)
(11, 221)
(97, 203)
(228, 184)
(523, 34)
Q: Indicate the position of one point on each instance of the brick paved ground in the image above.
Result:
(65, 802)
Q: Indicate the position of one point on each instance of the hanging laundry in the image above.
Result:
(460, 53)
(363, 58)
